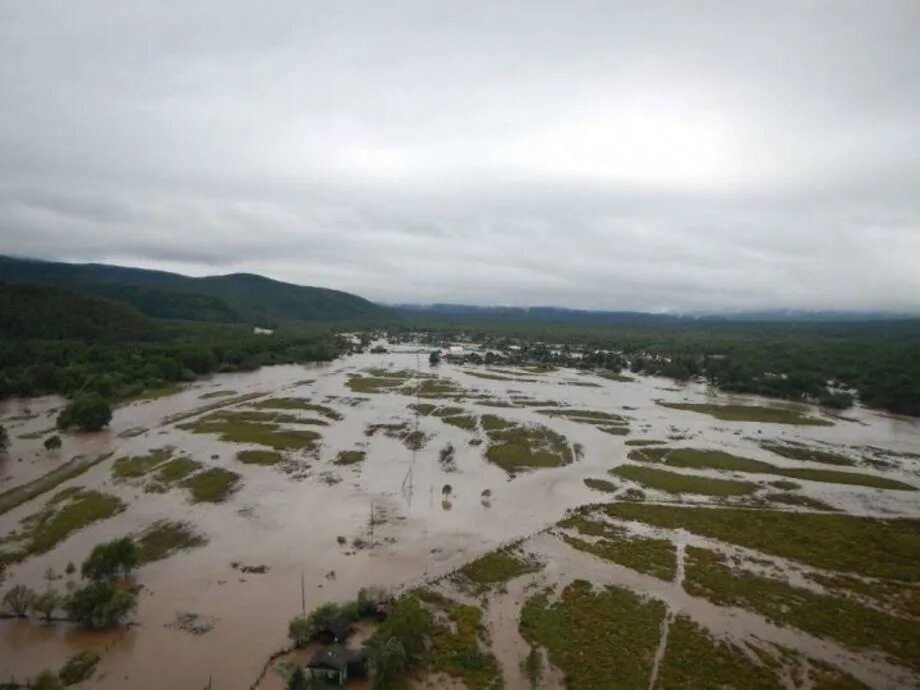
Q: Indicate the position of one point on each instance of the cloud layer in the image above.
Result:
(634, 155)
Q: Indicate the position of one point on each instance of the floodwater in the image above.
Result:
(291, 522)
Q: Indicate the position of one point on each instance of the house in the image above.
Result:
(334, 630)
(336, 664)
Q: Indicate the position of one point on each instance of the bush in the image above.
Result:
(18, 600)
(111, 559)
(101, 605)
(88, 412)
(52, 443)
(79, 668)
(47, 680)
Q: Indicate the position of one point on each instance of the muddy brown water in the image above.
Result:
(292, 524)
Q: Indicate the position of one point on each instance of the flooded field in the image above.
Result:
(376, 470)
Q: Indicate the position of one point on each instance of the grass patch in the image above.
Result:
(846, 543)
(675, 483)
(719, 460)
(467, 422)
(37, 434)
(694, 659)
(799, 500)
(644, 442)
(254, 433)
(139, 465)
(64, 513)
(458, 651)
(349, 457)
(176, 470)
(216, 394)
(655, 557)
(214, 485)
(598, 639)
(79, 668)
(373, 384)
(300, 404)
(491, 422)
(164, 538)
(60, 474)
(851, 623)
(496, 568)
(600, 485)
(801, 452)
(159, 392)
(259, 457)
(750, 413)
(516, 447)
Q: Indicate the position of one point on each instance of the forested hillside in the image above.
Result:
(236, 298)
(36, 311)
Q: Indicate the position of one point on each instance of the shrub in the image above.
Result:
(47, 680)
(79, 667)
(52, 443)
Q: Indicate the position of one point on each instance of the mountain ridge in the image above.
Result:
(228, 298)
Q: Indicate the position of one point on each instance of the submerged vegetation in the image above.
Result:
(579, 630)
(750, 413)
(846, 543)
(720, 460)
(675, 483)
(515, 447)
(496, 568)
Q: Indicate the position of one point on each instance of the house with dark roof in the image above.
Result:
(336, 664)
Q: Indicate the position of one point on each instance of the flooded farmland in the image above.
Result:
(376, 470)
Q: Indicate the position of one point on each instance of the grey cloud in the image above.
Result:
(646, 155)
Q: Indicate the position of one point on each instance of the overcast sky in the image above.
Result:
(648, 155)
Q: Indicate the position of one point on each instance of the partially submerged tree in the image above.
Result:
(53, 443)
(88, 412)
(4, 440)
(111, 560)
(46, 603)
(101, 605)
(18, 600)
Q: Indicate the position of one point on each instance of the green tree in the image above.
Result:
(47, 680)
(4, 439)
(89, 412)
(111, 559)
(298, 680)
(300, 631)
(387, 660)
(53, 443)
(46, 603)
(101, 605)
(434, 358)
(18, 600)
(410, 624)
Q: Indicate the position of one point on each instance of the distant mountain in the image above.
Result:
(50, 313)
(239, 297)
(554, 315)
(584, 317)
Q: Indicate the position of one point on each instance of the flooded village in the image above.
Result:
(505, 523)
